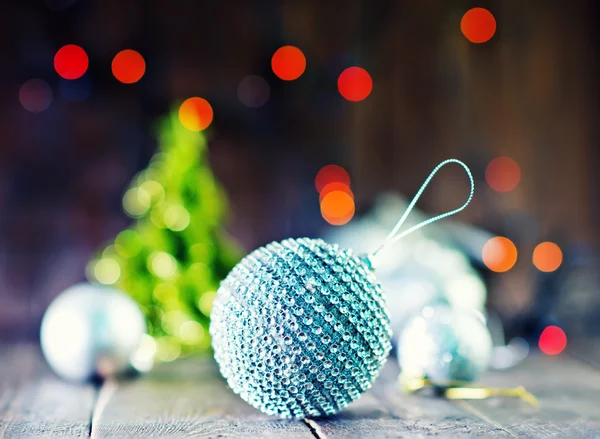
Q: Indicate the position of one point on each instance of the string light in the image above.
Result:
(71, 62)
(136, 202)
(195, 114)
(478, 25)
(355, 84)
(128, 66)
(128, 243)
(35, 95)
(162, 265)
(335, 186)
(177, 218)
(191, 332)
(337, 208)
(206, 301)
(499, 254)
(553, 340)
(107, 271)
(288, 63)
(166, 293)
(331, 174)
(173, 320)
(503, 174)
(547, 257)
(155, 190)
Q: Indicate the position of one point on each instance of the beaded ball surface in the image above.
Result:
(300, 328)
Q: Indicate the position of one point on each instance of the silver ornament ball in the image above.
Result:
(300, 328)
(91, 331)
(443, 345)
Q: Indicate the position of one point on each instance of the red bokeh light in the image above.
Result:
(71, 62)
(503, 174)
(478, 25)
(331, 174)
(288, 63)
(335, 186)
(553, 340)
(128, 66)
(355, 84)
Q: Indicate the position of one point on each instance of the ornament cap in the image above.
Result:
(369, 261)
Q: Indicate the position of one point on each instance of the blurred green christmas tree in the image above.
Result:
(175, 253)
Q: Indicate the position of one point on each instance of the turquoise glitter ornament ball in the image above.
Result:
(300, 328)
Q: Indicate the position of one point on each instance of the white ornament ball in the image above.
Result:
(444, 344)
(91, 331)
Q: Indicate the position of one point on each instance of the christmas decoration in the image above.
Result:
(449, 349)
(300, 328)
(426, 270)
(445, 345)
(91, 331)
(172, 257)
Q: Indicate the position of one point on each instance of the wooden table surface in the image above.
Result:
(188, 398)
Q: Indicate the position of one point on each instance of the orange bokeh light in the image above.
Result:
(288, 63)
(553, 340)
(195, 114)
(128, 66)
(355, 84)
(331, 174)
(71, 62)
(478, 25)
(547, 257)
(503, 174)
(499, 254)
(337, 208)
(335, 186)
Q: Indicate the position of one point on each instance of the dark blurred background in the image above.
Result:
(530, 93)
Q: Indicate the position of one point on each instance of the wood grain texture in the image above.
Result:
(186, 399)
(569, 394)
(35, 403)
(385, 412)
(189, 399)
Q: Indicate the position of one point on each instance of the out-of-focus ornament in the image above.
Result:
(449, 349)
(300, 328)
(445, 345)
(509, 355)
(91, 331)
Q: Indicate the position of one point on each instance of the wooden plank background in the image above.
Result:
(188, 398)
(36, 403)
